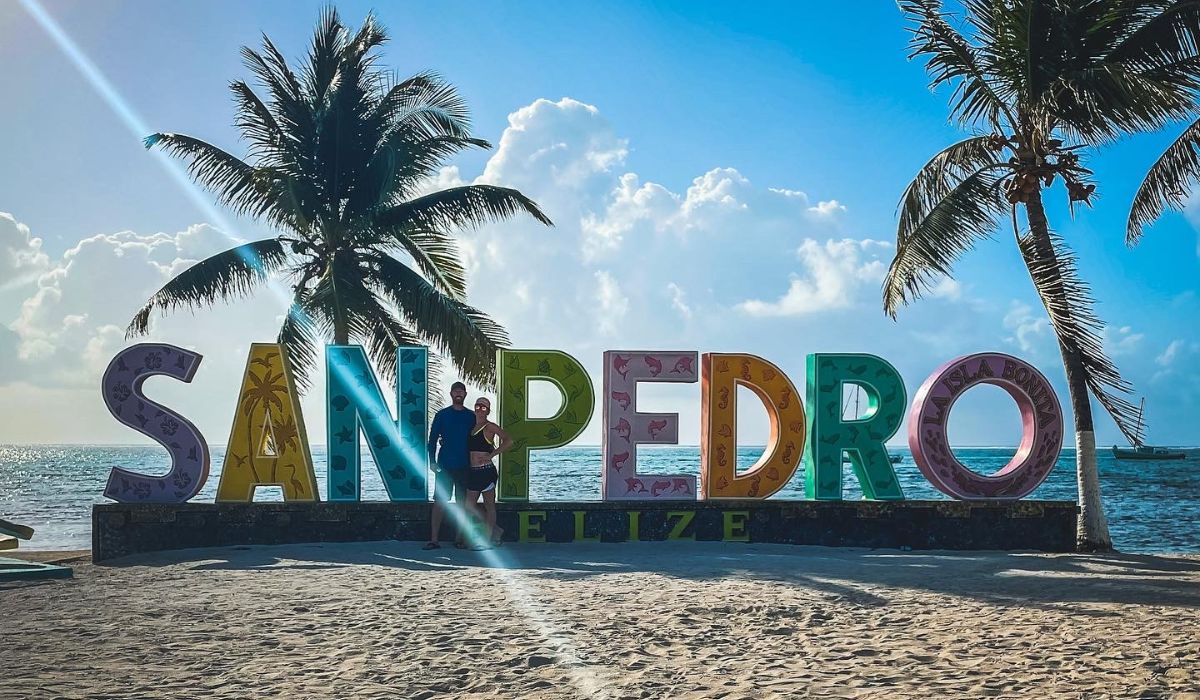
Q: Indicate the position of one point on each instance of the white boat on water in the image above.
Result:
(1147, 452)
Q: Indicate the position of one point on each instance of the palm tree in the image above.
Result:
(1039, 81)
(338, 157)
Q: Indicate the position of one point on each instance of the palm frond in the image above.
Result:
(292, 111)
(256, 123)
(463, 333)
(1162, 34)
(427, 103)
(1167, 184)
(324, 54)
(405, 161)
(461, 207)
(388, 334)
(939, 176)
(227, 275)
(247, 190)
(231, 179)
(1068, 302)
(435, 254)
(301, 336)
(951, 60)
(1099, 104)
(928, 249)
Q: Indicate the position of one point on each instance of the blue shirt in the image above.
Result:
(453, 427)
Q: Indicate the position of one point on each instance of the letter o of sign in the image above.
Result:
(1041, 427)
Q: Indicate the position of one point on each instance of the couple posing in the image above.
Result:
(464, 466)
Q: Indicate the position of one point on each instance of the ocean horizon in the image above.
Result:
(1152, 507)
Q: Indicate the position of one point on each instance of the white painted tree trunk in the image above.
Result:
(1092, 532)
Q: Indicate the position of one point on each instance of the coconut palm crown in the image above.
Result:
(1040, 81)
(340, 157)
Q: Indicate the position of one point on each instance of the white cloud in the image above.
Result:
(58, 336)
(1174, 368)
(83, 299)
(21, 258)
(718, 189)
(827, 210)
(1168, 356)
(835, 276)
(1122, 340)
(631, 204)
(679, 300)
(946, 288)
(1029, 329)
(612, 303)
(559, 145)
(445, 178)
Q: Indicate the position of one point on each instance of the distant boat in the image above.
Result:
(1146, 452)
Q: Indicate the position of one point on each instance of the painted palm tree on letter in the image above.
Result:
(338, 156)
(1040, 80)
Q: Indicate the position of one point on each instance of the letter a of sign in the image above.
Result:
(268, 445)
(355, 403)
(860, 439)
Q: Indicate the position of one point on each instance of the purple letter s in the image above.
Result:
(122, 386)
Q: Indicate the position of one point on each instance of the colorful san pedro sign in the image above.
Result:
(268, 444)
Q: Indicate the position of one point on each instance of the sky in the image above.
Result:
(722, 178)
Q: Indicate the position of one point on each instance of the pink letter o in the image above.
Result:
(1041, 427)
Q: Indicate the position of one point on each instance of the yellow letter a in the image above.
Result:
(267, 445)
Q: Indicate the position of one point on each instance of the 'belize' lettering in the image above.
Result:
(268, 442)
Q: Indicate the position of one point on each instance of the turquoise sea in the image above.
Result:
(1151, 506)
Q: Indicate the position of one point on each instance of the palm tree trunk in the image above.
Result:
(1092, 532)
(341, 326)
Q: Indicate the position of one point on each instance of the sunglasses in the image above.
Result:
(482, 407)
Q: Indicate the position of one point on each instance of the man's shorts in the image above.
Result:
(448, 483)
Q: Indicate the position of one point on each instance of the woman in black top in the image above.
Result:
(482, 476)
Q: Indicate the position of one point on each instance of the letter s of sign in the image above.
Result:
(122, 387)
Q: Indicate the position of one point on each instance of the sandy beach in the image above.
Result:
(387, 620)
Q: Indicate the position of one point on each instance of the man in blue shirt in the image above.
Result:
(451, 426)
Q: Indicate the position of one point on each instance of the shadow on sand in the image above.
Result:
(1007, 578)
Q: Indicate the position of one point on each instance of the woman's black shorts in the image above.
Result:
(482, 478)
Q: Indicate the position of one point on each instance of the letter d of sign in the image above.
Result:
(122, 386)
(722, 374)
